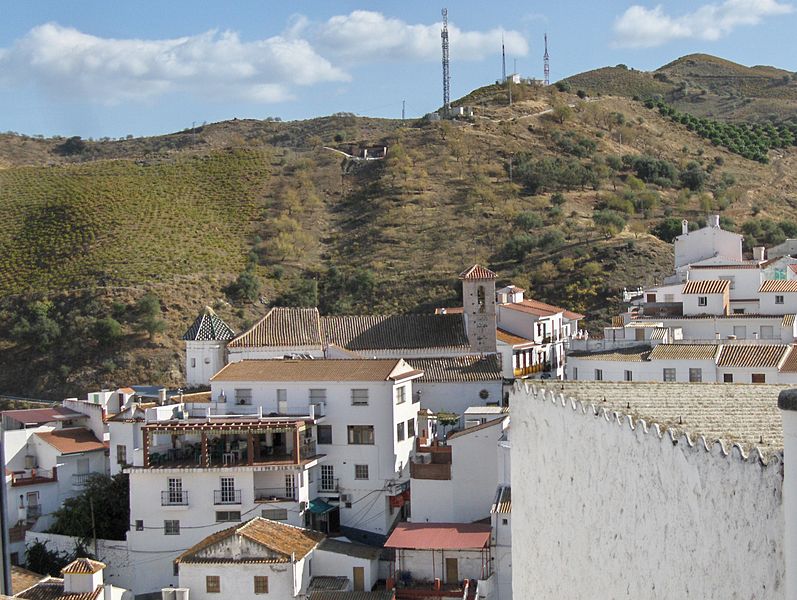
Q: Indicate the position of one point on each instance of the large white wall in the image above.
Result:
(202, 361)
(456, 397)
(706, 243)
(237, 580)
(333, 564)
(614, 370)
(599, 508)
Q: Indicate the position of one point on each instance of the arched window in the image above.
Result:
(480, 298)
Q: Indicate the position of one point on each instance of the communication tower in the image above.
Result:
(446, 71)
(546, 63)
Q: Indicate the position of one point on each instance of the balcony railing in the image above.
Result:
(33, 476)
(275, 494)
(174, 498)
(33, 511)
(80, 480)
(307, 449)
(226, 496)
(328, 484)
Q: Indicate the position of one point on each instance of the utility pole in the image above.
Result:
(403, 105)
(446, 66)
(93, 527)
(503, 60)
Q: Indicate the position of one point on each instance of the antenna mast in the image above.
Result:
(503, 60)
(446, 71)
(547, 63)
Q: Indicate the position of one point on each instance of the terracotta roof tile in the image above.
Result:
(313, 370)
(477, 272)
(684, 352)
(471, 368)
(503, 500)
(83, 566)
(71, 440)
(279, 541)
(436, 536)
(474, 429)
(790, 364)
(778, 285)
(541, 309)
(208, 327)
(395, 332)
(788, 321)
(743, 265)
(40, 416)
(510, 338)
(633, 354)
(745, 355)
(53, 589)
(283, 327)
(22, 579)
(338, 595)
(707, 286)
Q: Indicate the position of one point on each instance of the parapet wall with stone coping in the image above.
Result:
(605, 506)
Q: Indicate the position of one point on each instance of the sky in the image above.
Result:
(99, 68)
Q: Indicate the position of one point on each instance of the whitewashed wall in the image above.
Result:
(334, 564)
(237, 580)
(455, 397)
(427, 565)
(634, 515)
(202, 361)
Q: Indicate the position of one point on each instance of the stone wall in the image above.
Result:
(603, 508)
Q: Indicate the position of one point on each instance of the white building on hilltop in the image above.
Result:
(681, 486)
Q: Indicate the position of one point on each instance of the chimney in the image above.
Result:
(684, 227)
(787, 403)
(162, 397)
(759, 253)
(82, 576)
(714, 221)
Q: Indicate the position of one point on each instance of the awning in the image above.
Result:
(320, 507)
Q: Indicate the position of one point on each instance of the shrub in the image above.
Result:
(528, 220)
(245, 288)
(518, 246)
(609, 221)
(693, 177)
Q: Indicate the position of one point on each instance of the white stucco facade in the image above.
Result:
(706, 243)
(628, 513)
(285, 580)
(203, 360)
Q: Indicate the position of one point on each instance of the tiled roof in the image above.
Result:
(440, 536)
(53, 589)
(208, 327)
(541, 309)
(779, 285)
(83, 566)
(283, 327)
(707, 286)
(470, 368)
(510, 338)
(22, 579)
(331, 595)
(634, 354)
(788, 321)
(744, 414)
(706, 317)
(280, 540)
(744, 355)
(313, 370)
(790, 364)
(477, 272)
(503, 500)
(743, 265)
(659, 333)
(40, 416)
(474, 429)
(350, 549)
(395, 332)
(684, 352)
(72, 440)
(328, 583)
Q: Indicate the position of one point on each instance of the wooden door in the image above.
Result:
(359, 579)
(452, 570)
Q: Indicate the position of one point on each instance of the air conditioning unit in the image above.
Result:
(174, 594)
(345, 498)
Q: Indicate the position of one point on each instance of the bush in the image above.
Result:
(245, 288)
(528, 220)
(518, 246)
(551, 240)
(304, 294)
(609, 221)
(148, 311)
(693, 177)
(108, 498)
(107, 330)
(670, 228)
(563, 86)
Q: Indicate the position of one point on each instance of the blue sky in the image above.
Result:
(110, 68)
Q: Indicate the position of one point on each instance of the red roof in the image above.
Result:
(72, 440)
(40, 416)
(541, 309)
(440, 536)
(477, 272)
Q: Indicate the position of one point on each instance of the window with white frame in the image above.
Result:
(778, 299)
(359, 397)
(361, 434)
(628, 375)
(695, 375)
(400, 432)
(598, 374)
(171, 527)
(361, 471)
(702, 300)
(243, 396)
(401, 394)
(668, 374)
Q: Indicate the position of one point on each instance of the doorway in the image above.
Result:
(359, 578)
(452, 570)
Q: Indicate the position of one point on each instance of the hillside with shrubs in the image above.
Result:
(112, 247)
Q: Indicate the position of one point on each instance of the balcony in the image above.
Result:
(34, 476)
(328, 485)
(432, 462)
(275, 494)
(33, 511)
(226, 496)
(174, 498)
(79, 480)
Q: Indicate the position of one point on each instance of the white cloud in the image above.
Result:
(366, 36)
(218, 65)
(641, 27)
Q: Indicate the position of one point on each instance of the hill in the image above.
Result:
(111, 248)
(705, 86)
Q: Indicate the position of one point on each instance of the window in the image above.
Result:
(324, 433)
(224, 516)
(290, 486)
(176, 569)
(598, 374)
(171, 527)
(193, 363)
(651, 297)
(121, 454)
(361, 471)
(212, 584)
(575, 373)
(480, 298)
(401, 394)
(702, 300)
(318, 395)
(727, 378)
(695, 375)
(400, 432)
(14, 558)
(175, 494)
(243, 396)
(139, 525)
(411, 428)
(738, 311)
(361, 434)
(628, 376)
(261, 584)
(504, 521)
(359, 397)
(778, 299)
(227, 495)
(758, 378)
(328, 478)
(275, 514)
(669, 374)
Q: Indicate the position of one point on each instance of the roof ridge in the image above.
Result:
(753, 454)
